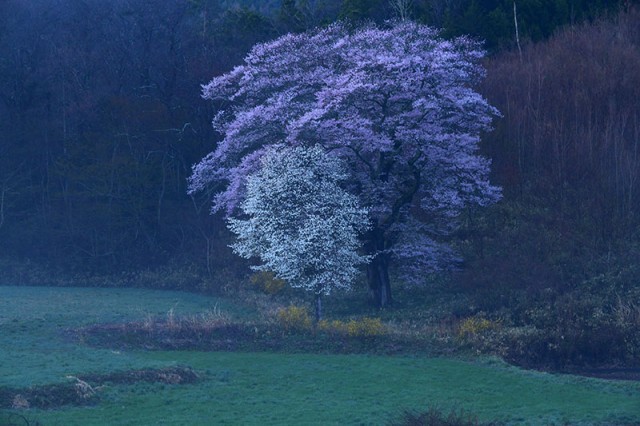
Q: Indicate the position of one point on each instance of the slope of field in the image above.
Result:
(271, 388)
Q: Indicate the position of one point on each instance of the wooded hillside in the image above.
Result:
(101, 120)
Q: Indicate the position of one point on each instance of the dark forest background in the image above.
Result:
(101, 120)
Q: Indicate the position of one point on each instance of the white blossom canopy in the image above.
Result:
(299, 222)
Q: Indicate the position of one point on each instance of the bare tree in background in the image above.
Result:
(515, 22)
(401, 8)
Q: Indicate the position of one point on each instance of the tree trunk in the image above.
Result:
(318, 307)
(379, 283)
(378, 271)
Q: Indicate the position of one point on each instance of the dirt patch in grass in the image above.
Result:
(84, 390)
(170, 375)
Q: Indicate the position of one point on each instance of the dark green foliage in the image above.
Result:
(493, 20)
(557, 317)
(579, 330)
(238, 30)
(364, 10)
(290, 17)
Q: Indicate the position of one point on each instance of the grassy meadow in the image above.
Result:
(276, 388)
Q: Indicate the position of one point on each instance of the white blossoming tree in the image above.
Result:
(300, 223)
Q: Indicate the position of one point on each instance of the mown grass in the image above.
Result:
(273, 388)
(267, 388)
(34, 349)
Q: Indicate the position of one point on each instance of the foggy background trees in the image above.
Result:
(101, 120)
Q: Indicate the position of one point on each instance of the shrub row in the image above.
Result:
(575, 330)
(296, 319)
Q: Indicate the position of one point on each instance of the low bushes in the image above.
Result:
(574, 330)
(578, 330)
(476, 326)
(436, 417)
(290, 329)
(296, 319)
(363, 327)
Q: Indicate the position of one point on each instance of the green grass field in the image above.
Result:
(272, 388)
